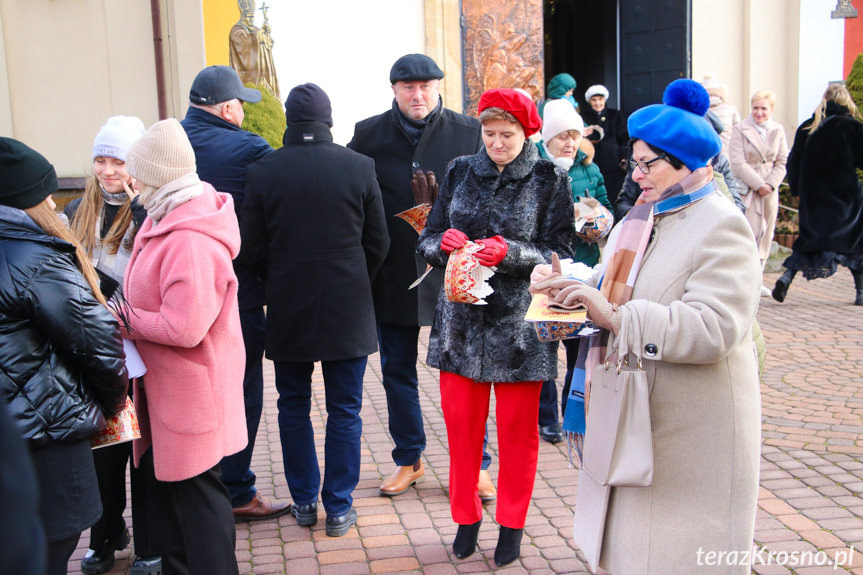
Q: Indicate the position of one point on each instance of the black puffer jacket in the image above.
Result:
(530, 205)
(62, 368)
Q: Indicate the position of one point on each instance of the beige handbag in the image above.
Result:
(618, 443)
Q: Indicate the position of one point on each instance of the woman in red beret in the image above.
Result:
(519, 208)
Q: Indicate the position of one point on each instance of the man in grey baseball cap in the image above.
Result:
(223, 151)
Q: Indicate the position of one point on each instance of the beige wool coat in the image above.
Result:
(694, 299)
(756, 162)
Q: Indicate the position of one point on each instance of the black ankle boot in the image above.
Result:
(858, 284)
(465, 540)
(508, 546)
(781, 287)
(100, 559)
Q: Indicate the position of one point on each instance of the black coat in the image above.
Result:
(61, 358)
(313, 226)
(611, 149)
(381, 138)
(530, 205)
(822, 171)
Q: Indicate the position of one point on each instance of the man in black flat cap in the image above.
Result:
(418, 133)
(313, 226)
(223, 151)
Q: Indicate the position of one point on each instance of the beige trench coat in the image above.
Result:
(695, 298)
(756, 162)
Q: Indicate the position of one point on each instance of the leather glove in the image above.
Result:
(452, 240)
(599, 310)
(493, 251)
(424, 187)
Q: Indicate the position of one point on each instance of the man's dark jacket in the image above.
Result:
(313, 226)
(447, 136)
(222, 153)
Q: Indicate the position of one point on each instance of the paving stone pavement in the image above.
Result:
(811, 470)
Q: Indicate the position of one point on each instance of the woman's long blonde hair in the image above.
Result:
(45, 216)
(840, 95)
(86, 218)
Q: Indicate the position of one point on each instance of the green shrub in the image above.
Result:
(266, 118)
(854, 82)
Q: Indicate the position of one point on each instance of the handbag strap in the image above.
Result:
(629, 322)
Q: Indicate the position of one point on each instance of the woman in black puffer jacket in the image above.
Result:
(61, 358)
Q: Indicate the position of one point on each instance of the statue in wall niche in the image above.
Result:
(251, 49)
(503, 48)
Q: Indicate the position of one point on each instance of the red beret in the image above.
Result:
(517, 104)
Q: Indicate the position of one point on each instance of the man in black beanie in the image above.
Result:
(313, 226)
(417, 133)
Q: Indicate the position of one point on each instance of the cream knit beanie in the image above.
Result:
(560, 116)
(161, 155)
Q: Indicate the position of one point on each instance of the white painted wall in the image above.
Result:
(347, 48)
(718, 46)
(822, 42)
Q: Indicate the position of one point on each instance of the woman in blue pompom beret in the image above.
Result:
(678, 290)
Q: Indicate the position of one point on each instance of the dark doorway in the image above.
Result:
(581, 40)
(635, 48)
(654, 47)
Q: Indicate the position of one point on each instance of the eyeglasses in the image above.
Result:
(645, 166)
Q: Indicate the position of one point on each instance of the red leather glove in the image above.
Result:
(452, 240)
(493, 251)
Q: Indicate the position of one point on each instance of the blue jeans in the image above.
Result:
(398, 349)
(343, 384)
(236, 469)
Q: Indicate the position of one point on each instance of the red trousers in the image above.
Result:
(465, 409)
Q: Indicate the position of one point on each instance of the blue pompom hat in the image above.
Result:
(678, 125)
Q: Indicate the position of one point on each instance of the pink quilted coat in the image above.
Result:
(183, 291)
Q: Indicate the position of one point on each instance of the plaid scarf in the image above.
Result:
(617, 284)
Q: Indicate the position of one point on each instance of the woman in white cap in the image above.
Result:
(607, 130)
(182, 291)
(104, 220)
(562, 143)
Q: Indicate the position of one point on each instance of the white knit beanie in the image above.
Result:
(560, 116)
(161, 155)
(596, 90)
(117, 136)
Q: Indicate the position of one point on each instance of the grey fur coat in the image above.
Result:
(530, 205)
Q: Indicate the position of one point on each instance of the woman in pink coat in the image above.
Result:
(758, 152)
(183, 294)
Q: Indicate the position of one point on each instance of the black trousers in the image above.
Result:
(195, 531)
(110, 465)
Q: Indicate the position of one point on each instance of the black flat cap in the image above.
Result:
(308, 103)
(413, 67)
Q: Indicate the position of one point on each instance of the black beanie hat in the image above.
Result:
(308, 103)
(26, 177)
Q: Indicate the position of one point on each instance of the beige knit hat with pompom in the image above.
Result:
(161, 155)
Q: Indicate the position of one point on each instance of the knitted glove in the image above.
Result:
(424, 187)
(599, 310)
(493, 251)
(452, 240)
(542, 274)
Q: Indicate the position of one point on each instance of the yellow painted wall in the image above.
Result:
(219, 17)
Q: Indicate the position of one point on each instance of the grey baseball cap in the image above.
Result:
(217, 84)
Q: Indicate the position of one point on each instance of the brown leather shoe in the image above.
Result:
(486, 489)
(261, 508)
(402, 478)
